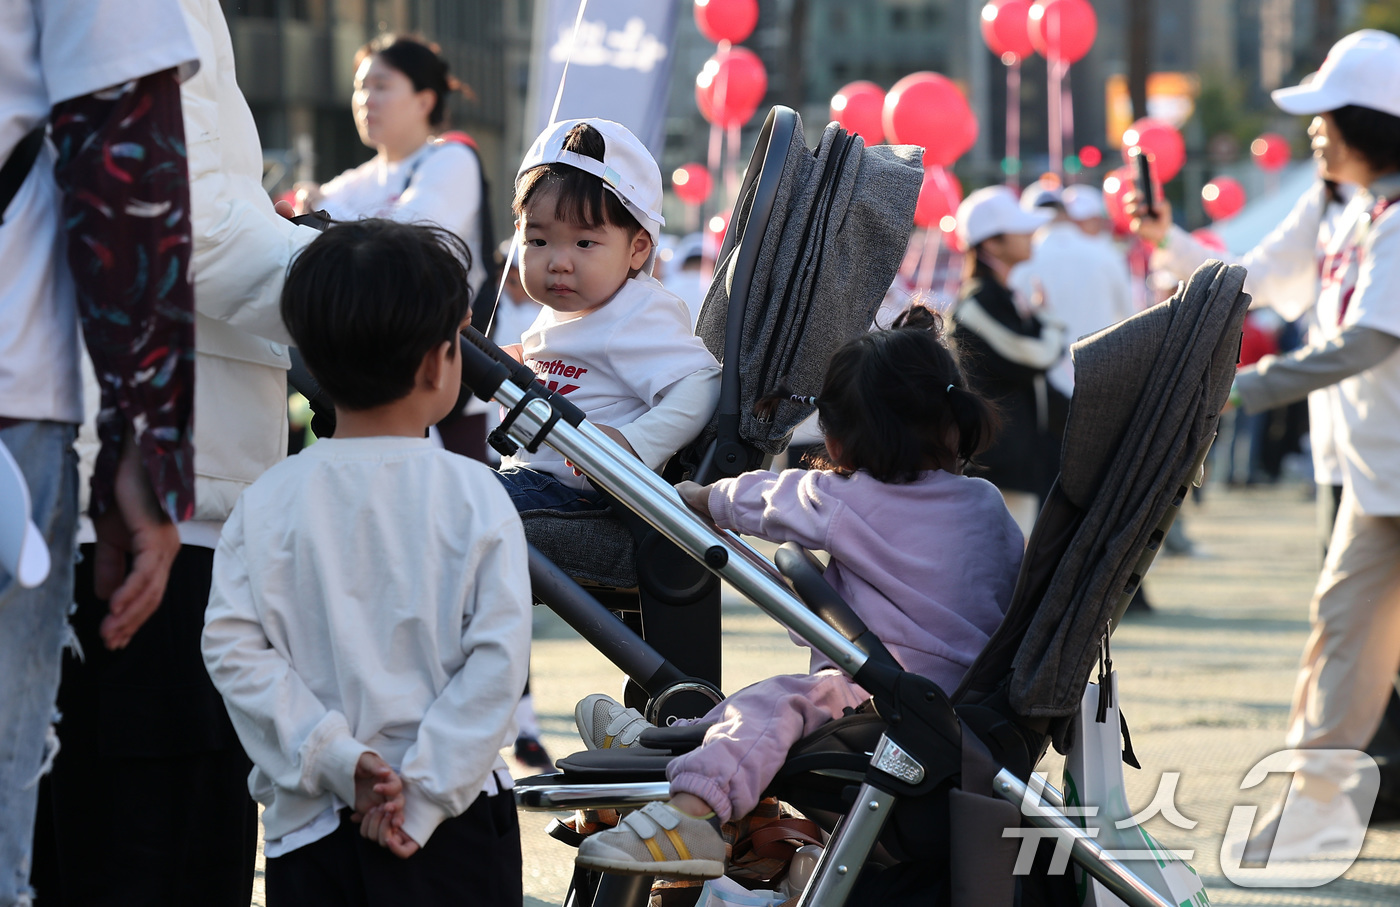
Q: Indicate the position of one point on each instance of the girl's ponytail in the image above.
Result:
(976, 419)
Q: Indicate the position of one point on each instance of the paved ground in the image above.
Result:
(1205, 682)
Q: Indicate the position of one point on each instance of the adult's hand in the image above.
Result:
(136, 527)
(285, 208)
(1153, 229)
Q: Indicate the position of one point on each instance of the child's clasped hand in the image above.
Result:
(379, 805)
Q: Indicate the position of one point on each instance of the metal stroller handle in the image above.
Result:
(804, 572)
(544, 417)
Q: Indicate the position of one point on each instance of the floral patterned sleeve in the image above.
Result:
(126, 204)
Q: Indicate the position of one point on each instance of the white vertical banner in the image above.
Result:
(619, 64)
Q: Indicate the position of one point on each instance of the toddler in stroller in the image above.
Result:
(900, 425)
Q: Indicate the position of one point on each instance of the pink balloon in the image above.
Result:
(1222, 197)
(1271, 151)
(1162, 142)
(726, 20)
(1063, 30)
(927, 109)
(860, 108)
(692, 183)
(731, 86)
(1117, 184)
(939, 197)
(1006, 29)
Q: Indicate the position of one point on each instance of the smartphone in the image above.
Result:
(1146, 186)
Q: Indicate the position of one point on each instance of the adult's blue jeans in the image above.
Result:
(32, 635)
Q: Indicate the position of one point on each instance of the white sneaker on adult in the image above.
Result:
(604, 723)
(1302, 828)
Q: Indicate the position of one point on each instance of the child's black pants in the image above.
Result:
(471, 859)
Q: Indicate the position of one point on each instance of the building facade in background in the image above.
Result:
(295, 64)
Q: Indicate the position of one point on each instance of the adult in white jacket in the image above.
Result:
(1285, 274)
(144, 732)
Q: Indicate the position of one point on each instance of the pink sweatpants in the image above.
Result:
(755, 729)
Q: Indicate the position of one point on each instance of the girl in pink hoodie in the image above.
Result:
(926, 556)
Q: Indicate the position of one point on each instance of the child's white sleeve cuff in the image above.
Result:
(421, 814)
(336, 765)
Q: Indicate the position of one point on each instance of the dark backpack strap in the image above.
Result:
(16, 169)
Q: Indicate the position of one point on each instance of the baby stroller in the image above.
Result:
(893, 781)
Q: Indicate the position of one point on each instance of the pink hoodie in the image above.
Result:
(929, 565)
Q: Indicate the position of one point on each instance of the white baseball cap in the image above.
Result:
(1041, 193)
(1361, 69)
(1084, 202)
(627, 169)
(993, 211)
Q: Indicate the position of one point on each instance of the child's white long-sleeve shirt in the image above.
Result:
(370, 594)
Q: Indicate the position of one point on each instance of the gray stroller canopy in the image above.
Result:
(1148, 393)
(835, 234)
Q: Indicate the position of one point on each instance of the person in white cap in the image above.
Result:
(1005, 348)
(1352, 655)
(611, 337)
(1083, 282)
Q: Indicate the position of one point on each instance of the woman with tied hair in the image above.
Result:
(400, 104)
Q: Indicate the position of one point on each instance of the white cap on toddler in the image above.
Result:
(627, 170)
(1361, 69)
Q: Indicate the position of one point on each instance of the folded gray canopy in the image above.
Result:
(837, 231)
(1148, 394)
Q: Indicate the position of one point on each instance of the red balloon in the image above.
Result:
(731, 86)
(860, 108)
(1006, 29)
(726, 20)
(1222, 197)
(715, 228)
(692, 183)
(1162, 142)
(927, 109)
(1271, 151)
(939, 197)
(1063, 30)
(1117, 184)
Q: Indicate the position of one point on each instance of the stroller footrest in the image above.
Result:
(611, 795)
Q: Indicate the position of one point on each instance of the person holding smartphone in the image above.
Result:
(1353, 653)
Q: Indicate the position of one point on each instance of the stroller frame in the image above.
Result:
(912, 757)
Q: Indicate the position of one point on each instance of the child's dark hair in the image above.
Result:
(423, 65)
(580, 198)
(1373, 134)
(897, 402)
(367, 300)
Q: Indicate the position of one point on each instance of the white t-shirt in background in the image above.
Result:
(439, 183)
(615, 363)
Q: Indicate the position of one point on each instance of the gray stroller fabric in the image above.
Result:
(1148, 394)
(833, 245)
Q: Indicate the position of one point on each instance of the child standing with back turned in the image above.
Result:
(926, 556)
(610, 337)
(369, 624)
